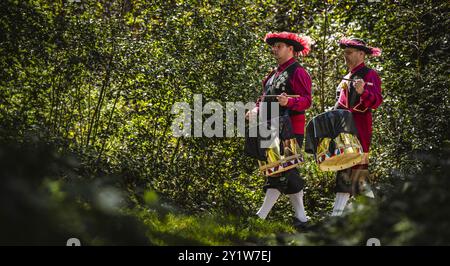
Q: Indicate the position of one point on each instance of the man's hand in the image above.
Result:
(251, 114)
(359, 85)
(283, 99)
(247, 115)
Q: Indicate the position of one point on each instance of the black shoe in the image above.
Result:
(299, 225)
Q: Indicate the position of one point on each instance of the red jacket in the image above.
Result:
(370, 99)
(300, 82)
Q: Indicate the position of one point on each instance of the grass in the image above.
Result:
(210, 229)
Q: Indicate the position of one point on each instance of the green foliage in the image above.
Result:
(44, 203)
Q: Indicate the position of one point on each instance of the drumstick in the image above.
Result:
(293, 96)
(368, 83)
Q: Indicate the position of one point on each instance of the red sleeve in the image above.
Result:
(301, 85)
(371, 97)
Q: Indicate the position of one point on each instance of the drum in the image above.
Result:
(280, 152)
(333, 139)
(347, 152)
(281, 156)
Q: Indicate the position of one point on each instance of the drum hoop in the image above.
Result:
(282, 168)
(284, 160)
(322, 156)
(342, 167)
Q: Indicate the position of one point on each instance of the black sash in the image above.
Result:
(353, 96)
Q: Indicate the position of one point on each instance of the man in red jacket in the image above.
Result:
(359, 92)
(290, 78)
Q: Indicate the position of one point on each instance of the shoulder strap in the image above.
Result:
(268, 77)
(362, 72)
(290, 71)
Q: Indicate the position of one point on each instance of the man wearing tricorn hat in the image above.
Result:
(359, 92)
(290, 78)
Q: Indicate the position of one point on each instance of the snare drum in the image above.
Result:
(347, 152)
(281, 156)
(281, 151)
(333, 139)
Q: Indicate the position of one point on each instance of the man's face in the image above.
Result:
(352, 56)
(281, 51)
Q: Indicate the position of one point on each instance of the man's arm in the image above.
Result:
(301, 85)
(371, 96)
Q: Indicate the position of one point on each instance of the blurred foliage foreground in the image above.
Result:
(47, 197)
(45, 201)
(86, 150)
